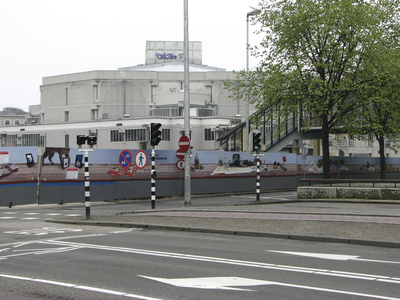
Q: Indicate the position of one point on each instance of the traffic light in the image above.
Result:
(91, 140)
(256, 141)
(155, 135)
(81, 139)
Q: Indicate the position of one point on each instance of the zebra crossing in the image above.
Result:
(30, 216)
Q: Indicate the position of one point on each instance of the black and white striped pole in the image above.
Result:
(155, 138)
(153, 179)
(258, 179)
(87, 185)
(91, 140)
(258, 174)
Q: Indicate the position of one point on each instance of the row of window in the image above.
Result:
(23, 140)
(12, 122)
(141, 135)
(136, 135)
(127, 135)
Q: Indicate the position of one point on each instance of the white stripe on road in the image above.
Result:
(368, 277)
(230, 283)
(80, 287)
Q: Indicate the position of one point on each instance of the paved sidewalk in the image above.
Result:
(258, 220)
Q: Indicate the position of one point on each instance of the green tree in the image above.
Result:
(313, 57)
(379, 117)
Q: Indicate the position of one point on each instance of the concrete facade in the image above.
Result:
(131, 94)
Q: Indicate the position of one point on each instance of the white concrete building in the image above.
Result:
(119, 105)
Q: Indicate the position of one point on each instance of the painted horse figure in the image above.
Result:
(50, 151)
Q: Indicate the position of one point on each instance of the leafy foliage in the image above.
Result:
(316, 55)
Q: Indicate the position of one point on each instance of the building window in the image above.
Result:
(209, 135)
(166, 135)
(205, 112)
(165, 112)
(135, 135)
(66, 96)
(16, 122)
(7, 122)
(116, 136)
(95, 114)
(66, 116)
(25, 140)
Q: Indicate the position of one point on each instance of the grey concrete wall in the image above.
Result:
(108, 191)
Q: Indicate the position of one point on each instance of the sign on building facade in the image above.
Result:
(167, 51)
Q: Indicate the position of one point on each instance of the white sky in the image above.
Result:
(41, 38)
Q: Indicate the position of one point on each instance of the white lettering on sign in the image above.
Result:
(169, 56)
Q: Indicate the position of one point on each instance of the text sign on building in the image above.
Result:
(167, 51)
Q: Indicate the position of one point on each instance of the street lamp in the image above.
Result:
(251, 13)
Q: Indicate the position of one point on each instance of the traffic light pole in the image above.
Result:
(258, 176)
(87, 181)
(153, 179)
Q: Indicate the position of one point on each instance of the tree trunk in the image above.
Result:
(325, 149)
(381, 141)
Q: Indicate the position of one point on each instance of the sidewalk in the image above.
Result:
(259, 221)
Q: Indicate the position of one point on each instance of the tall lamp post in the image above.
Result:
(188, 190)
(251, 13)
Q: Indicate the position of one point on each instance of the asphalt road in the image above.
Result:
(41, 260)
(104, 263)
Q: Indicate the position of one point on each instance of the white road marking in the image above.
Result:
(217, 283)
(368, 277)
(30, 213)
(123, 231)
(53, 214)
(69, 246)
(73, 215)
(333, 256)
(275, 198)
(44, 231)
(29, 219)
(225, 283)
(7, 218)
(80, 287)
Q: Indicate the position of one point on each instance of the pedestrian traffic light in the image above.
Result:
(256, 141)
(81, 139)
(155, 135)
(91, 140)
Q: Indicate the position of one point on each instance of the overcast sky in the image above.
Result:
(41, 38)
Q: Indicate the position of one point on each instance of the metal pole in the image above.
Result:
(187, 103)
(87, 186)
(247, 44)
(153, 179)
(258, 179)
(40, 163)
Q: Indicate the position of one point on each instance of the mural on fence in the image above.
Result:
(22, 164)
